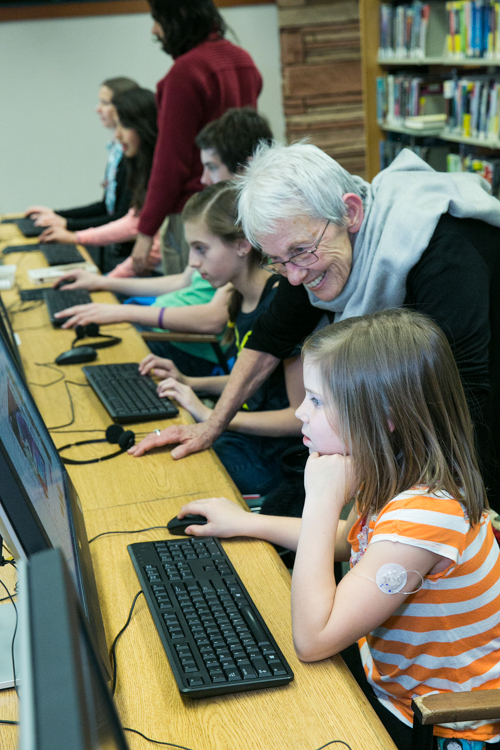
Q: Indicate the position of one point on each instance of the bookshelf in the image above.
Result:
(435, 59)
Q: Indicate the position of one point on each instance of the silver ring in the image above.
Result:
(157, 432)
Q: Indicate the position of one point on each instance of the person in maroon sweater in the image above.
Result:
(209, 75)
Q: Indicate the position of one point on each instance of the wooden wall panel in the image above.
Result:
(321, 65)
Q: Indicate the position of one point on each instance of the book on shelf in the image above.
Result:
(400, 97)
(473, 107)
(437, 155)
(422, 123)
(488, 168)
(456, 29)
(403, 30)
(430, 150)
(463, 107)
(473, 29)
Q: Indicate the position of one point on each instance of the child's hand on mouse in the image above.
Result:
(224, 518)
(330, 478)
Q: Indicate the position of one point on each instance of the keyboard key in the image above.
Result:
(232, 673)
(195, 681)
(261, 667)
(247, 671)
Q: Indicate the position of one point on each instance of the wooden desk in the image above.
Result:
(323, 703)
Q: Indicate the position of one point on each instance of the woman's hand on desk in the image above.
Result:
(161, 368)
(57, 234)
(193, 438)
(224, 518)
(50, 219)
(186, 397)
(81, 315)
(34, 211)
(80, 279)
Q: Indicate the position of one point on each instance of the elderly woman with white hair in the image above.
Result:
(344, 247)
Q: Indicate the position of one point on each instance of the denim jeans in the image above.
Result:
(253, 462)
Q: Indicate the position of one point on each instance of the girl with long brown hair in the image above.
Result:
(251, 448)
(386, 423)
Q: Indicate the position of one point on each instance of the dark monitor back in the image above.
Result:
(65, 702)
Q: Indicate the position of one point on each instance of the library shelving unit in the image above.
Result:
(434, 59)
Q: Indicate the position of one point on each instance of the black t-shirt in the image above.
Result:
(457, 283)
(272, 393)
(96, 214)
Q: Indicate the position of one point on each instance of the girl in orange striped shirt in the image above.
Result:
(385, 421)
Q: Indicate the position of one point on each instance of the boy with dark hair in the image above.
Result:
(226, 144)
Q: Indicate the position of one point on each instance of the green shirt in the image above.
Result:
(199, 292)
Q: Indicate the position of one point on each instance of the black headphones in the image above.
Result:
(114, 434)
(92, 331)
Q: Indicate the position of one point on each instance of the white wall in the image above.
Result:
(51, 140)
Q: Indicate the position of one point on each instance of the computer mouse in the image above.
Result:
(77, 355)
(179, 525)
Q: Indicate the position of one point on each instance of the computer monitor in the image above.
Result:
(10, 338)
(39, 507)
(64, 699)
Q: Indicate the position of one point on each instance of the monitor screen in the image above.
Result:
(33, 460)
(65, 702)
(39, 507)
(10, 338)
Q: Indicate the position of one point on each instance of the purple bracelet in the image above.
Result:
(160, 317)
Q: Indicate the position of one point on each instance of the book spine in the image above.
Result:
(449, 34)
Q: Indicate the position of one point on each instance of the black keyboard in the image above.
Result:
(22, 249)
(31, 295)
(59, 254)
(127, 395)
(28, 228)
(215, 638)
(57, 300)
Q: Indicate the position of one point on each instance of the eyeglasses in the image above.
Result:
(301, 260)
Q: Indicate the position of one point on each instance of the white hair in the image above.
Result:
(282, 182)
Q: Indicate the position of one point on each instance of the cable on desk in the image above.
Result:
(19, 306)
(157, 742)
(66, 384)
(112, 652)
(7, 721)
(171, 744)
(126, 531)
(9, 596)
(72, 432)
(51, 366)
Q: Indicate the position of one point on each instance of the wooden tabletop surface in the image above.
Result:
(322, 704)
